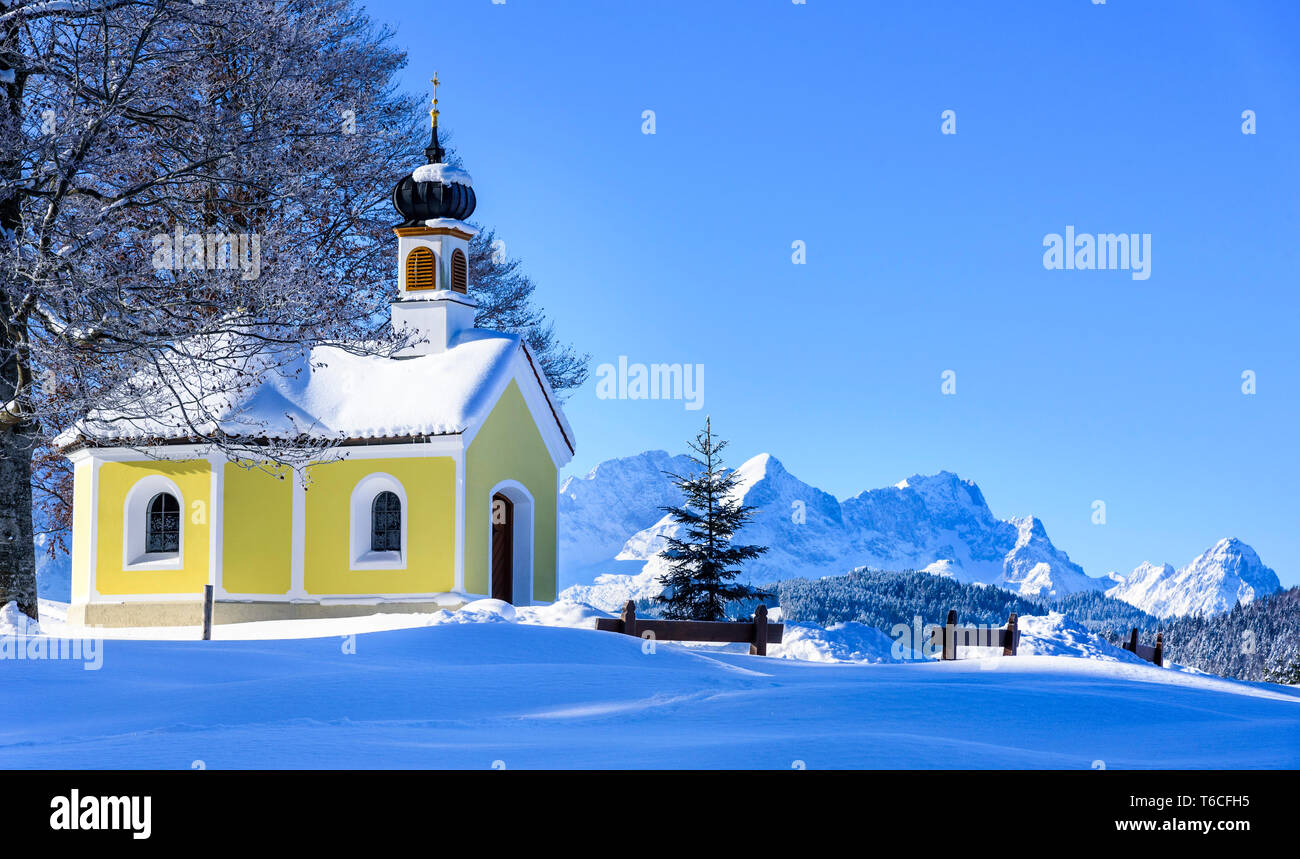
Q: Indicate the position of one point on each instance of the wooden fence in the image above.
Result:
(759, 633)
(1145, 651)
(950, 636)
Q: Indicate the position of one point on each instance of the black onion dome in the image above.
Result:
(418, 202)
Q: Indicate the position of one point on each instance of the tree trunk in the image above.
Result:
(17, 538)
(17, 438)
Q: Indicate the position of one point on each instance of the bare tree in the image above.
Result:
(505, 297)
(190, 194)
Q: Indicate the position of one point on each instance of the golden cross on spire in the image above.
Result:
(433, 112)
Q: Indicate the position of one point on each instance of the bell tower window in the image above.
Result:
(459, 272)
(421, 269)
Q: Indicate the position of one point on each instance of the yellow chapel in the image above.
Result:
(438, 486)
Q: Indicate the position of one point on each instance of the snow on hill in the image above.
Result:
(1227, 572)
(1056, 635)
(939, 523)
(477, 690)
(613, 532)
(841, 642)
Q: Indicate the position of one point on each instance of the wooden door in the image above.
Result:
(503, 549)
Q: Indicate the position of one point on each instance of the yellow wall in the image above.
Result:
(430, 484)
(83, 509)
(193, 479)
(257, 530)
(509, 447)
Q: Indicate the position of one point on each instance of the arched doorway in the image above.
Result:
(503, 549)
(510, 543)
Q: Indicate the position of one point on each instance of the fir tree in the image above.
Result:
(1290, 675)
(703, 563)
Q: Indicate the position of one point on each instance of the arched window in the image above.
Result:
(421, 269)
(459, 272)
(386, 523)
(376, 527)
(163, 524)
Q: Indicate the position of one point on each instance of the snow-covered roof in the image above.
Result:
(451, 224)
(444, 173)
(326, 393)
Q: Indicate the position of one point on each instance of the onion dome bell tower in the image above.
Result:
(433, 249)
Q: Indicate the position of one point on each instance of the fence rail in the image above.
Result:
(1155, 655)
(950, 636)
(759, 633)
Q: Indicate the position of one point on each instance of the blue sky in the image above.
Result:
(777, 122)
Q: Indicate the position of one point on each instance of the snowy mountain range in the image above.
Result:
(612, 531)
(1227, 572)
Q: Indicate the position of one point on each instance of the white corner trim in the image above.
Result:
(216, 520)
(298, 540)
(92, 589)
(458, 579)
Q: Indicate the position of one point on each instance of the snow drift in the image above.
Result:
(475, 690)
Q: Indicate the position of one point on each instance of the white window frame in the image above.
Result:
(135, 522)
(360, 557)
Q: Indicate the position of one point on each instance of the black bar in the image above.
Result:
(335, 809)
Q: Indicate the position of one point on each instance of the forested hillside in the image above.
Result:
(1258, 641)
(882, 598)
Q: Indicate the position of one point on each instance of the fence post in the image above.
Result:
(759, 647)
(1013, 636)
(629, 618)
(1132, 641)
(207, 612)
(950, 635)
(1158, 657)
